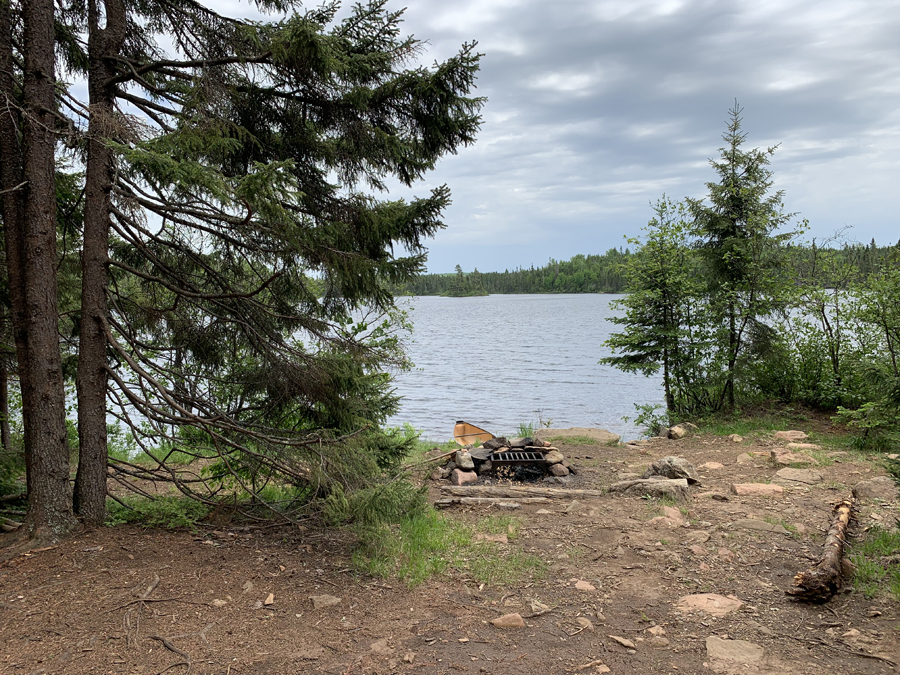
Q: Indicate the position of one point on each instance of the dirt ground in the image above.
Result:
(78, 607)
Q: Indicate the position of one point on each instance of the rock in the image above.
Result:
(602, 436)
(553, 457)
(464, 460)
(744, 458)
(881, 487)
(757, 490)
(658, 642)
(322, 601)
(734, 650)
(218, 603)
(509, 621)
(582, 585)
(544, 512)
(672, 513)
(438, 473)
(698, 536)
(520, 443)
(791, 435)
(783, 458)
(625, 642)
(656, 631)
(270, 599)
(735, 438)
(558, 470)
(710, 603)
(481, 454)
(485, 468)
(627, 475)
(679, 431)
(381, 647)
(714, 466)
(697, 550)
(585, 623)
(793, 476)
(675, 489)
(673, 467)
(758, 525)
(409, 657)
(460, 477)
(803, 446)
(247, 587)
(495, 443)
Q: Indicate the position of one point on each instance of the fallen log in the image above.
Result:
(447, 501)
(516, 492)
(821, 581)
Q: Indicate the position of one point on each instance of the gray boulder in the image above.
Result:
(882, 487)
(464, 460)
(673, 467)
(674, 488)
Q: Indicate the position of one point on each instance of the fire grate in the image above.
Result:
(516, 458)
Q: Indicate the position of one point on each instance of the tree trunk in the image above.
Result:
(4, 407)
(43, 395)
(91, 379)
(10, 178)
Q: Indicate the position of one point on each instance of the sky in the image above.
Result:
(596, 108)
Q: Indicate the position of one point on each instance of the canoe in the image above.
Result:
(465, 433)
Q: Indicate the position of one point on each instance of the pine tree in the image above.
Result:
(233, 229)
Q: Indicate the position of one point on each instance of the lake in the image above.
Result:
(501, 360)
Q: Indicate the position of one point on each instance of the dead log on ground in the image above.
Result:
(821, 581)
(449, 501)
(516, 492)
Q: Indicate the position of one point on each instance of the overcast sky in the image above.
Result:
(597, 108)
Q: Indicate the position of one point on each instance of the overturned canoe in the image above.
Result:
(465, 433)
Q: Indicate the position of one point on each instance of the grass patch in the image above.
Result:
(525, 430)
(576, 440)
(168, 512)
(877, 564)
(427, 543)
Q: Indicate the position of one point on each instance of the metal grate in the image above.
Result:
(515, 458)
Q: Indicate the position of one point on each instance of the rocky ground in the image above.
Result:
(632, 586)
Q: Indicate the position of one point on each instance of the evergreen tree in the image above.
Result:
(742, 247)
(232, 231)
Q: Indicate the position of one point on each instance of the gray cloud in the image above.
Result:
(597, 108)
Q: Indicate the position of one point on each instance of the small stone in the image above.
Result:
(790, 458)
(485, 468)
(656, 630)
(322, 601)
(460, 477)
(735, 438)
(218, 603)
(659, 642)
(409, 657)
(585, 623)
(247, 587)
(710, 603)
(805, 476)
(726, 555)
(744, 458)
(558, 470)
(756, 489)
(791, 435)
(381, 647)
(270, 599)
(697, 550)
(625, 642)
(582, 585)
(699, 536)
(712, 465)
(553, 457)
(438, 473)
(521, 442)
(544, 512)
(740, 651)
(509, 621)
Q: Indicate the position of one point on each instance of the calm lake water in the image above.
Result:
(500, 360)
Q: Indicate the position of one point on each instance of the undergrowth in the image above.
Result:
(426, 543)
(877, 561)
(170, 512)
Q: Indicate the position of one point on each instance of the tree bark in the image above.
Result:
(821, 581)
(5, 442)
(91, 378)
(43, 395)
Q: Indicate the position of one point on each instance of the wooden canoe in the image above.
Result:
(465, 433)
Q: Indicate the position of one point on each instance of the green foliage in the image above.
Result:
(168, 512)
(427, 543)
(12, 472)
(580, 274)
(465, 286)
(650, 419)
(875, 558)
(372, 506)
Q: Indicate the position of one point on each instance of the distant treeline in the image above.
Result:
(592, 274)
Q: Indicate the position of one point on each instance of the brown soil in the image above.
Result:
(76, 608)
